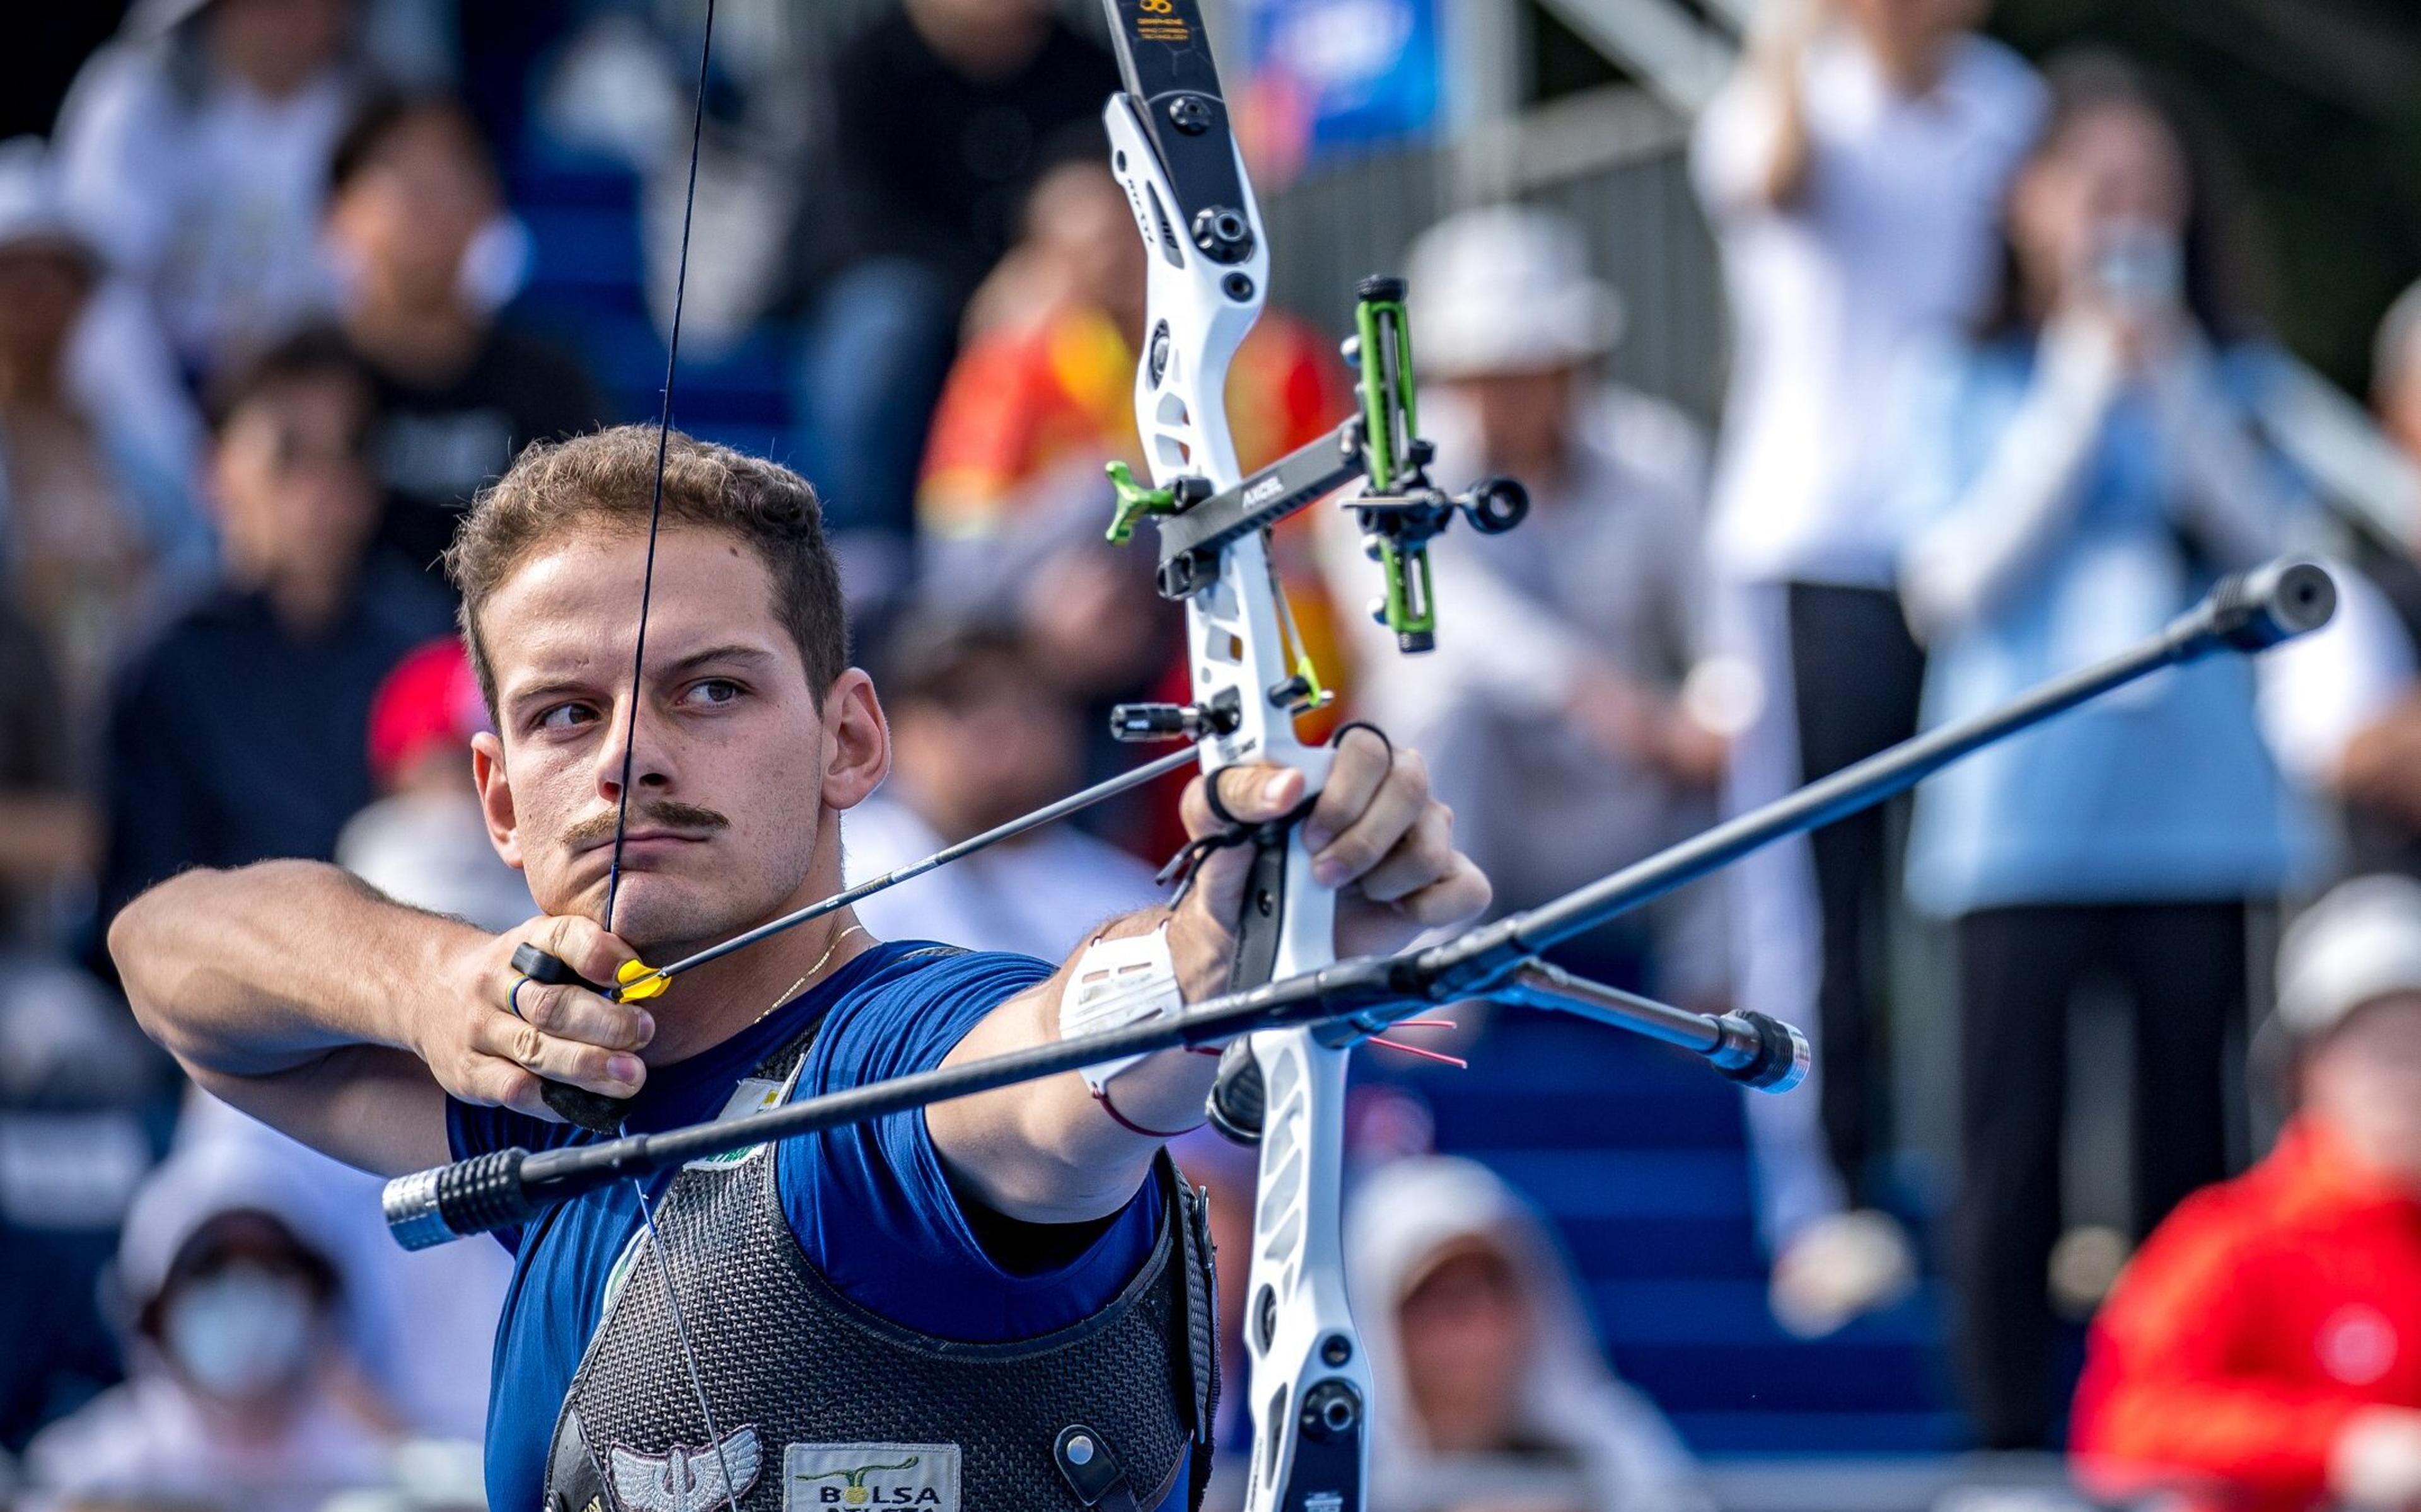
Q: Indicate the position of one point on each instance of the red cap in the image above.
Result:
(430, 700)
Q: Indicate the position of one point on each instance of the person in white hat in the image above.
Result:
(2262, 1351)
(1554, 710)
(239, 1389)
(1489, 1389)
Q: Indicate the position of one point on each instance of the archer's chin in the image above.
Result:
(654, 912)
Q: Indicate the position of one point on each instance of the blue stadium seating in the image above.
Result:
(1638, 1152)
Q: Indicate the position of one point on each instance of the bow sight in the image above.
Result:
(1399, 510)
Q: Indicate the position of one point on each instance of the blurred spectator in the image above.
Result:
(421, 1323)
(942, 114)
(101, 531)
(410, 192)
(979, 735)
(1012, 502)
(1488, 1388)
(2075, 478)
(49, 833)
(1013, 497)
(1044, 393)
(425, 842)
(1853, 171)
(238, 735)
(1552, 710)
(2263, 1352)
(240, 1392)
(195, 146)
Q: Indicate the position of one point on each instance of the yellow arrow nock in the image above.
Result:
(640, 981)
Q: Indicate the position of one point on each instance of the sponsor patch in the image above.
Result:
(754, 1094)
(838, 1477)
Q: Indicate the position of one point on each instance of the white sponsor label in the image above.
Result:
(836, 1477)
(753, 1095)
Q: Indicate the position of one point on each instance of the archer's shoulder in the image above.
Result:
(930, 969)
(902, 1006)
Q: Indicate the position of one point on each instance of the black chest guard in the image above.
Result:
(820, 1404)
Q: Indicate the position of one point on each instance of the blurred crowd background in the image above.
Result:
(1867, 361)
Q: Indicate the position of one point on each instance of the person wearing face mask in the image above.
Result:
(2264, 1352)
(238, 1394)
(2073, 478)
(1489, 1392)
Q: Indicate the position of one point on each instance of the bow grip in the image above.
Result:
(1237, 1100)
(590, 1110)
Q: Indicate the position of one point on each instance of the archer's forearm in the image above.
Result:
(270, 967)
(1046, 1151)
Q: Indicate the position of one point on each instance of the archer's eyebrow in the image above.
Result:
(753, 656)
(548, 689)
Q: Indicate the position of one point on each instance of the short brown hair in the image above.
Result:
(608, 477)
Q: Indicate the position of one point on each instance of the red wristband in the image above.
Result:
(1102, 1097)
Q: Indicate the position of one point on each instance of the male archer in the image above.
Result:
(964, 1286)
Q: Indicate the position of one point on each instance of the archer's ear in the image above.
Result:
(495, 797)
(857, 741)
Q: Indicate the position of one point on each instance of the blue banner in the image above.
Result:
(1339, 75)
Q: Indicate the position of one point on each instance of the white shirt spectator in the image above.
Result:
(1040, 895)
(206, 194)
(1894, 237)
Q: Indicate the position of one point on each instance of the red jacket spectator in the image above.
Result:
(2261, 1317)
(2263, 1352)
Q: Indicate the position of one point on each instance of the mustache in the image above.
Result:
(669, 813)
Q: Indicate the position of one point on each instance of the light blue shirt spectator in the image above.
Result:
(2057, 507)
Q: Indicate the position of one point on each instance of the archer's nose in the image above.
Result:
(633, 753)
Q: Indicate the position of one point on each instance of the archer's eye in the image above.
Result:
(714, 693)
(564, 716)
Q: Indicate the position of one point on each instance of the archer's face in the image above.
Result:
(734, 761)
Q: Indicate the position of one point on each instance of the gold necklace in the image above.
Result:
(813, 972)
